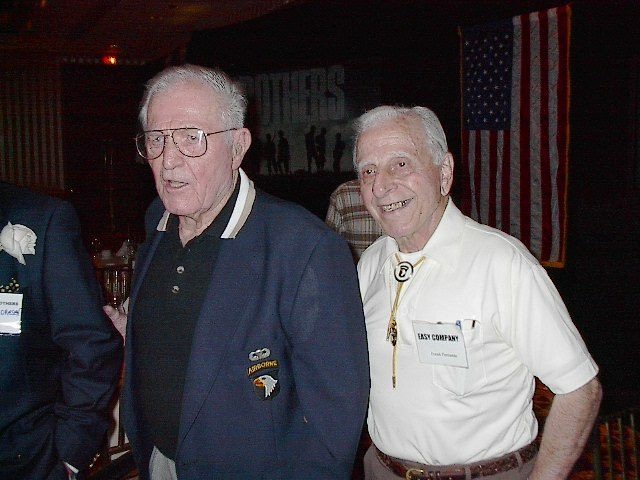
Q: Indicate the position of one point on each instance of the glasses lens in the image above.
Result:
(192, 142)
(150, 144)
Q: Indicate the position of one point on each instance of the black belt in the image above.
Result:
(479, 469)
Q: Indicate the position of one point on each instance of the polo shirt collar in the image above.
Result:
(241, 210)
(443, 246)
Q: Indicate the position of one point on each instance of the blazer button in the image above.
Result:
(180, 269)
(175, 289)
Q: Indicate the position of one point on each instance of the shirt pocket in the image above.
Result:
(460, 381)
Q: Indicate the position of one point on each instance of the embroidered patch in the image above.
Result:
(12, 287)
(260, 354)
(264, 378)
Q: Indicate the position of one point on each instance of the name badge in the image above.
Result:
(10, 313)
(440, 344)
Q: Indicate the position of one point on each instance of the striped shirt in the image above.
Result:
(348, 216)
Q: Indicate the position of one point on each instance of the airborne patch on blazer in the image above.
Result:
(264, 378)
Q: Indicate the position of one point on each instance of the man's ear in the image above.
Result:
(241, 143)
(446, 174)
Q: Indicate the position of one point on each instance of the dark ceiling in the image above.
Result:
(143, 31)
(140, 30)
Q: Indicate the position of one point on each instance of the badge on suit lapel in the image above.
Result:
(264, 378)
(10, 310)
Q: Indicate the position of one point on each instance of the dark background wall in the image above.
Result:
(414, 49)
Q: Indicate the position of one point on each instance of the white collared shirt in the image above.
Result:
(514, 324)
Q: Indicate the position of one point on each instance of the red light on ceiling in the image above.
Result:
(109, 60)
(111, 55)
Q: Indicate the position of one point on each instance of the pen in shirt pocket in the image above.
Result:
(472, 320)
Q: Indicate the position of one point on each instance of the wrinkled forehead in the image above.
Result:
(404, 130)
(186, 101)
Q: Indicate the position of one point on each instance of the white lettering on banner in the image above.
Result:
(301, 96)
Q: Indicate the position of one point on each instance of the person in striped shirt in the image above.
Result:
(348, 216)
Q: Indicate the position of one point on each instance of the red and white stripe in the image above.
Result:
(518, 177)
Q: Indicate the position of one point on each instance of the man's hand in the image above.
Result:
(118, 316)
(567, 430)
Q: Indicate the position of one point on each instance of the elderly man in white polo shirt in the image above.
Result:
(460, 318)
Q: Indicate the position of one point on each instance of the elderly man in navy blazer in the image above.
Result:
(59, 355)
(246, 351)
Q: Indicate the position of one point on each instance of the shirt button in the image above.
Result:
(180, 269)
(175, 289)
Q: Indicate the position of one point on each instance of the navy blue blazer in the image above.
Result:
(58, 375)
(285, 283)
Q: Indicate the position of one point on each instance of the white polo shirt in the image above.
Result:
(514, 325)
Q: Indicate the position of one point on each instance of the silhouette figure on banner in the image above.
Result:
(338, 151)
(269, 152)
(310, 144)
(283, 153)
(321, 149)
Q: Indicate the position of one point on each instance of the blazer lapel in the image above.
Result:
(234, 273)
(10, 268)
(144, 260)
(7, 262)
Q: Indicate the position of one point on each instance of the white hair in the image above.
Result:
(224, 90)
(436, 139)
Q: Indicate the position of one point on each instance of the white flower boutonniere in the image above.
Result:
(17, 241)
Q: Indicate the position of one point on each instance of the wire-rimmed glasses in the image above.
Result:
(190, 141)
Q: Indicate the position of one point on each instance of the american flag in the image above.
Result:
(515, 127)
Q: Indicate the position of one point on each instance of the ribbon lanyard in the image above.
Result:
(402, 272)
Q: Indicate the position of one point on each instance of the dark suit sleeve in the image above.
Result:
(90, 371)
(329, 358)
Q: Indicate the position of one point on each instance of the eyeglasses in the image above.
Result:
(191, 142)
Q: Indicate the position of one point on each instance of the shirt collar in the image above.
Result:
(443, 246)
(241, 209)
